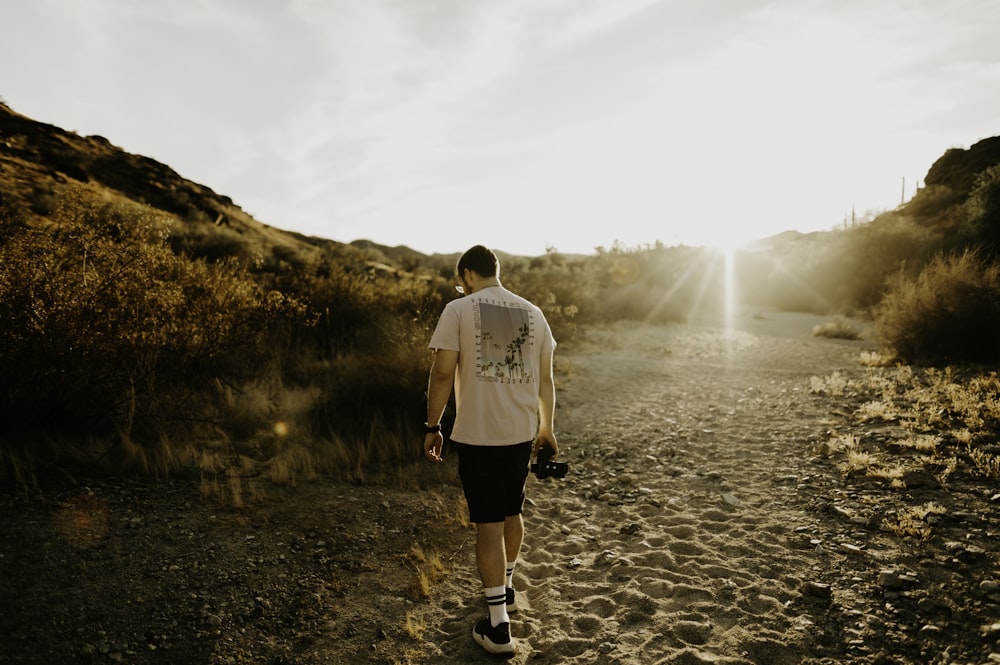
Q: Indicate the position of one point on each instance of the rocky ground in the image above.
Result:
(705, 520)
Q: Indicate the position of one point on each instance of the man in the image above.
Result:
(496, 348)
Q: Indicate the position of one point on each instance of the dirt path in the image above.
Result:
(697, 526)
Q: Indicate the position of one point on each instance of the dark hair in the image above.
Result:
(481, 261)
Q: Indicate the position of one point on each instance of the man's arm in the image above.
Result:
(546, 407)
(439, 385)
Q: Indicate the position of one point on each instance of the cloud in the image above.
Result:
(578, 120)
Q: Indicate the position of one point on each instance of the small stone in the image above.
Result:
(731, 499)
(607, 557)
(817, 590)
(989, 586)
(890, 579)
(843, 512)
(989, 630)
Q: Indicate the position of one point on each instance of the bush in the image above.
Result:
(983, 207)
(950, 313)
(839, 328)
(109, 335)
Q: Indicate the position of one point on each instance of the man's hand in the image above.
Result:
(433, 444)
(546, 438)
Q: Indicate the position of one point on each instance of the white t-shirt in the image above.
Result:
(500, 338)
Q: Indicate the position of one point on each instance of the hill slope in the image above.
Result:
(40, 162)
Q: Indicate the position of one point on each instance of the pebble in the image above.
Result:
(817, 590)
(894, 580)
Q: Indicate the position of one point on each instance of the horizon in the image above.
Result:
(522, 127)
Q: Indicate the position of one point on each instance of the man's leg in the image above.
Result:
(492, 563)
(490, 553)
(513, 535)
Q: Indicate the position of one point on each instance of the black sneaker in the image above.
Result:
(495, 639)
(511, 601)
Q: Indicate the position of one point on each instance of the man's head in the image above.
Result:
(478, 267)
(481, 261)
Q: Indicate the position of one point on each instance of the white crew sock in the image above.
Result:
(510, 573)
(496, 599)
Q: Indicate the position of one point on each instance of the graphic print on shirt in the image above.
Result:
(504, 337)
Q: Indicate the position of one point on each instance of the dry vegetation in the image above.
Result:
(917, 426)
(152, 326)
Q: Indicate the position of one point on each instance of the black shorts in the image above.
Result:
(493, 479)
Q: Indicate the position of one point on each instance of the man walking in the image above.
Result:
(496, 348)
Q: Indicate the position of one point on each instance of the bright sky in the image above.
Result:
(521, 124)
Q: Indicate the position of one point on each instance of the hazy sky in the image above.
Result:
(521, 124)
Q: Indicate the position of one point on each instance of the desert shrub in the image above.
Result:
(656, 283)
(863, 259)
(951, 312)
(379, 394)
(936, 206)
(844, 271)
(110, 335)
(839, 328)
(561, 288)
(365, 356)
(983, 209)
(208, 242)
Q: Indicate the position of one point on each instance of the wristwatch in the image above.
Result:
(432, 429)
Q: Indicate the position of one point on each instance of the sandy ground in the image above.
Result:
(697, 525)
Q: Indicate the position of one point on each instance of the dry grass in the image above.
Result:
(429, 569)
(415, 626)
(839, 328)
(860, 460)
(922, 443)
(987, 464)
(913, 521)
(876, 358)
(835, 385)
(875, 410)
(235, 484)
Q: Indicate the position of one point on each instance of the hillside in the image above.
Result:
(40, 162)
